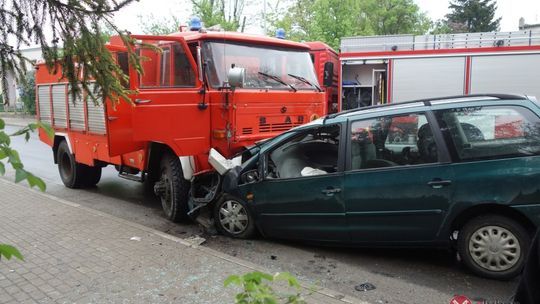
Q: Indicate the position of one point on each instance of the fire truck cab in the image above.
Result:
(199, 90)
(326, 63)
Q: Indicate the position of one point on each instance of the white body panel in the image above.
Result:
(415, 78)
(44, 103)
(59, 105)
(70, 113)
(519, 74)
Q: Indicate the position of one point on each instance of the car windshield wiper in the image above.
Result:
(277, 79)
(306, 81)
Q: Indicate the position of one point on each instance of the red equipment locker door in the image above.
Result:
(118, 119)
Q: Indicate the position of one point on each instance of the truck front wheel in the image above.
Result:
(172, 188)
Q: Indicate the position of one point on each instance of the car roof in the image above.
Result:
(421, 103)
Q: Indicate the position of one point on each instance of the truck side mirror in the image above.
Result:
(328, 78)
(236, 77)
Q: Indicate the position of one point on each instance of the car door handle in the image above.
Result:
(439, 183)
(141, 101)
(331, 191)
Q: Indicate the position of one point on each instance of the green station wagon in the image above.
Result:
(457, 171)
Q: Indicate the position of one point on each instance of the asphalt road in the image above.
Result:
(399, 275)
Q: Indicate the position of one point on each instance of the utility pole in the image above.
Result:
(264, 17)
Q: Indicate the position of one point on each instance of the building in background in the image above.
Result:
(34, 54)
(525, 26)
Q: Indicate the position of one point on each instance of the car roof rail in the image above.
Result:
(372, 107)
(496, 96)
(427, 102)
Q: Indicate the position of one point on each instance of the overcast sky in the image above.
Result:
(509, 10)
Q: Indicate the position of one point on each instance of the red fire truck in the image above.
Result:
(200, 90)
(326, 63)
(385, 69)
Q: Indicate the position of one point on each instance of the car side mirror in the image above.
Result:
(250, 176)
(236, 77)
(328, 78)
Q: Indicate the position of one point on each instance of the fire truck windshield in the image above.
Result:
(259, 62)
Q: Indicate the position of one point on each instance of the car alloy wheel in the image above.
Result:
(233, 217)
(494, 248)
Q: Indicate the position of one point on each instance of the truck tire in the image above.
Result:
(71, 172)
(152, 176)
(92, 175)
(172, 188)
(494, 246)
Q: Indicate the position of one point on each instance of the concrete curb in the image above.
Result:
(322, 292)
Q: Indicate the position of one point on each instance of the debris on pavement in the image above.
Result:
(364, 287)
(195, 240)
(135, 238)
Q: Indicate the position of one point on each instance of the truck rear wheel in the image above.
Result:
(71, 172)
(92, 175)
(172, 188)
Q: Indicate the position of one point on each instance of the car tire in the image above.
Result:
(172, 188)
(71, 172)
(494, 246)
(233, 218)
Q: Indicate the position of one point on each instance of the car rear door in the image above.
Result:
(497, 155)
(398, 184)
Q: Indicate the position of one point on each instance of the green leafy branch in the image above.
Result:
(8, 251)
(10, 156)
(257, 289)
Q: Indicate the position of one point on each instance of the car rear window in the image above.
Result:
(491, 131)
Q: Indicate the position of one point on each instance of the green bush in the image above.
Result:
(28, 93)
(257, 290)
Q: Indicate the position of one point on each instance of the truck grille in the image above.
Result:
(247, 131)
(276, 127)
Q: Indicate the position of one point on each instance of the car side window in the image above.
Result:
(488, 132)
(392, 141)
(312, 152)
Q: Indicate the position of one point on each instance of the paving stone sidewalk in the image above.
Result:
(78, 255)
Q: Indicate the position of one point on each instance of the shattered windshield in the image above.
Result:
(266, 67)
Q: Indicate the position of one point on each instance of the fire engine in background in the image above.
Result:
(326, 63)
(385, 69)
(201, 90)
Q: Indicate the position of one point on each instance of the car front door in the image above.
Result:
(398, 183)
(301, 195)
